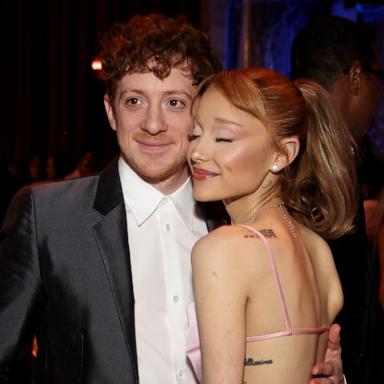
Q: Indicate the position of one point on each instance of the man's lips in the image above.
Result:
(153, 145)
(202, 174)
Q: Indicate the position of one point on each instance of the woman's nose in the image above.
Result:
(198, 151)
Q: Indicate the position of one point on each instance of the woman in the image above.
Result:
(266, 287)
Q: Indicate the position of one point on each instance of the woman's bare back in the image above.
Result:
(311, 290)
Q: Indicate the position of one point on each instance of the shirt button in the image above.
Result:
(180, 374)
(175, 299)
(167, 227)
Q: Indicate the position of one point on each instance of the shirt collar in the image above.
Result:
(143, 199)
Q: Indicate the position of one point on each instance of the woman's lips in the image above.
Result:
(202, 174)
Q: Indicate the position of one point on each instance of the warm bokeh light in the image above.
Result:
(96, 65)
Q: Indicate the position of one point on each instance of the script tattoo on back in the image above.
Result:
(249, 361)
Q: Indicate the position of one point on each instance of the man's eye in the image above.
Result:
(132, 101)
(223, 140)
(176, 103)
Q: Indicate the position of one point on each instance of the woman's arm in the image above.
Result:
(220, 294)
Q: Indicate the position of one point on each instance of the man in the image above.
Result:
(340, 55)
(99, 267)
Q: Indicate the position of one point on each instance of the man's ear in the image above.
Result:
(109, 110)
(290, 147)
(354, 78)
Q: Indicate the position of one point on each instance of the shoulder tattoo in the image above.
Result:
(266, 232)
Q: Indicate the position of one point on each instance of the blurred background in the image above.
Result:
(53, 123)
(53, 119)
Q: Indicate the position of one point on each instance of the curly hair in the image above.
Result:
(155, 43)
(319, 186)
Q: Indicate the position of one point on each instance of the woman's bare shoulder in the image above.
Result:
(313, 241)
(224, 238)
(231, 246)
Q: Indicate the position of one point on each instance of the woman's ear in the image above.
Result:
(109, 110)
(289, 150)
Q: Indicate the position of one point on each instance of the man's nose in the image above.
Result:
(154, 121)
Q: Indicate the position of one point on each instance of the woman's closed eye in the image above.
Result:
(192, 137)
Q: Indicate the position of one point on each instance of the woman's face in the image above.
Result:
(230, 154)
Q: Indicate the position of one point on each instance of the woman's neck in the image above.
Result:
(242, 209)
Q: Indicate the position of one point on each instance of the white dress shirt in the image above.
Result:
(161, 232)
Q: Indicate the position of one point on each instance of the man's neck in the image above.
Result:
(171, 184)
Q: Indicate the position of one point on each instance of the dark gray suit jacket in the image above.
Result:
(65, 275)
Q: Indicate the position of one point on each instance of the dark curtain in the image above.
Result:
(52, 100)
(264, 30)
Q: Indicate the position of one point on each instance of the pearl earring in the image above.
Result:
(274, 168)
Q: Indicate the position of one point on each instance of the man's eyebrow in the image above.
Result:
(133, 90)
(178, 92)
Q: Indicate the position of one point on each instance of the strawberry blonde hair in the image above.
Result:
(318, 187)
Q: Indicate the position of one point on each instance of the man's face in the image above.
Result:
(370, 100)
(152, 119)
(370, 94)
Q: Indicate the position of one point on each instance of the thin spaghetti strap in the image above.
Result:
(287, 322)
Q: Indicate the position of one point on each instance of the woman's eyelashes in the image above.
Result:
(192, 137)
(218, 135)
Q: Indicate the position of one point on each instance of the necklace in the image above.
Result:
(280, 205)
(291, 226)
(262, 209)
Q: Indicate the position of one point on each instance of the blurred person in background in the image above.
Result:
(341, 56)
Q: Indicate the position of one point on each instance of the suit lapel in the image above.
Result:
(112, 239)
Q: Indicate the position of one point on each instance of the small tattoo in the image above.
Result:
(266, 232)
(267, 185)
(249, 361)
